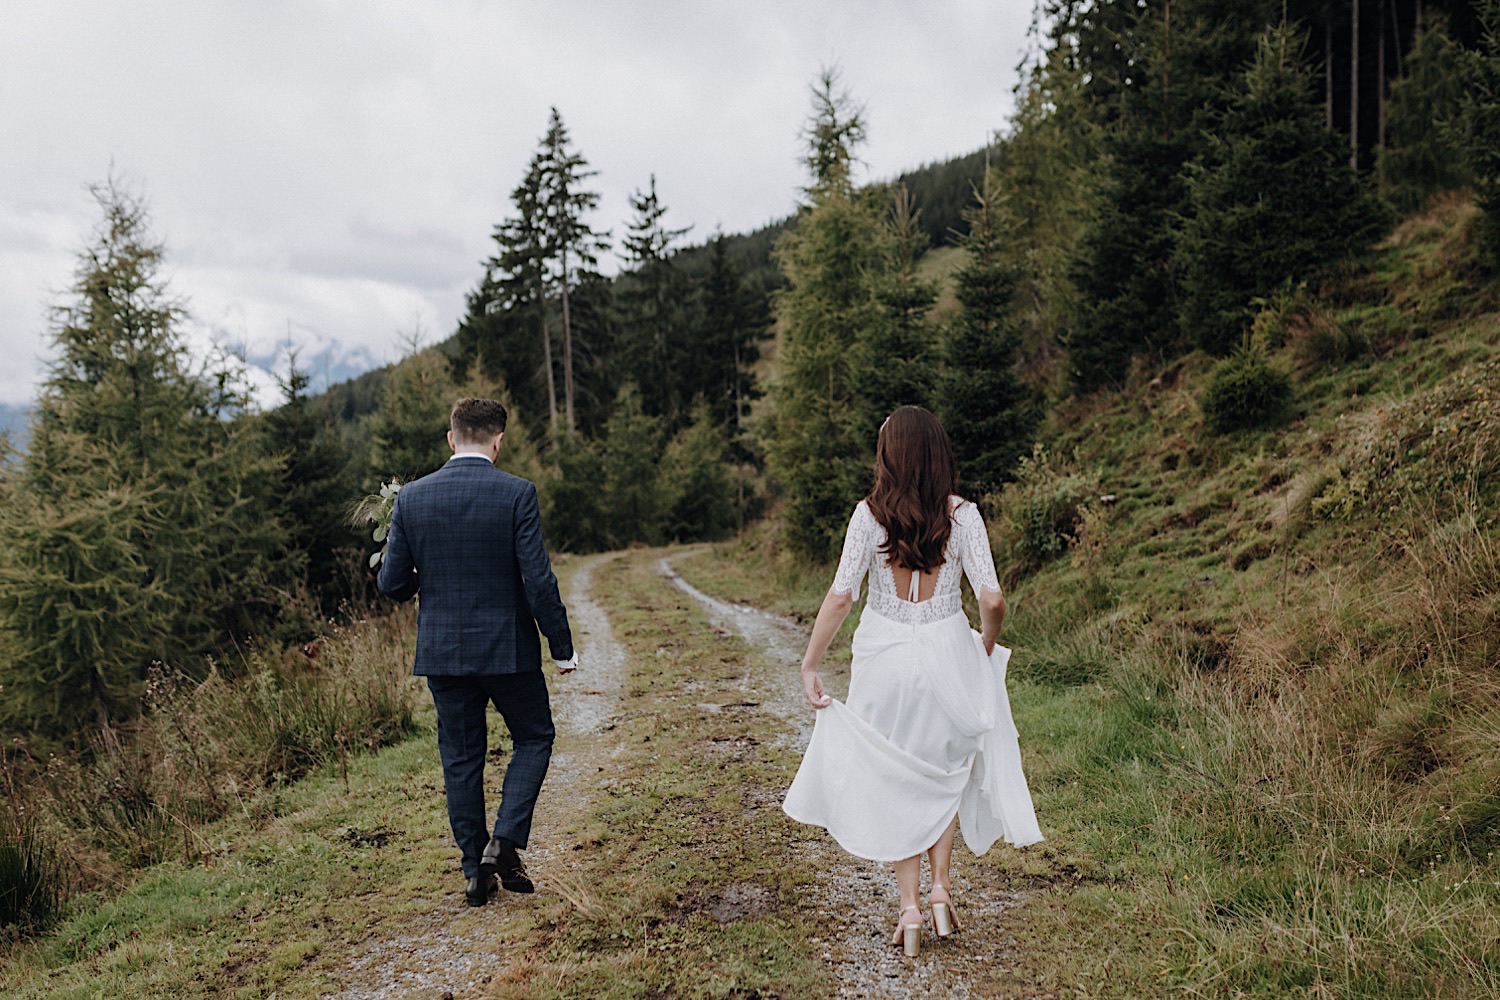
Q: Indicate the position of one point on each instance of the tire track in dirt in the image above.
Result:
(857, 896)
(448, 947)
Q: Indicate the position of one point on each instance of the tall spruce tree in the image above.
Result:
(729, 342)
(984, 405)
(1423, 157)
(1273, 199)
(573, 245)
(832, 261)
(630, 465)
(509, 315)
(1154, 69)
(651, 348)
(896, 356)
(315, 487)
(144, 526)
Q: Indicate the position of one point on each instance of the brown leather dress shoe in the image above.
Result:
(500, 858)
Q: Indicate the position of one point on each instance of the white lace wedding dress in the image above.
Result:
(926, 732)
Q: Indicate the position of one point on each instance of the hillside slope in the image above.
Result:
(1258, 682)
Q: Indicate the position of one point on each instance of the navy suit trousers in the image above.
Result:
(463, 743)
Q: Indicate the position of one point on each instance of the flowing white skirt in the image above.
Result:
(926, 734)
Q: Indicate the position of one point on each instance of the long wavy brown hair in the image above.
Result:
(914, 475)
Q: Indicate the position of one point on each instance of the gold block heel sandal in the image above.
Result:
(944, 919)
(909, 936)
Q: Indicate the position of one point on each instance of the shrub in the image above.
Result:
(1290, 318)
(31, 888)
(1320, 339)
(1245, 391)
(204, 749)
(1043, 506)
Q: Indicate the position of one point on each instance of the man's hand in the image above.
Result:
(567, 666)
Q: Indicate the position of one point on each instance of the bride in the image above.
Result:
(925, 743)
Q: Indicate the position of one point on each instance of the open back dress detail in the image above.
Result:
(926, 732)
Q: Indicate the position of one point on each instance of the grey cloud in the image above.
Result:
(341, 166)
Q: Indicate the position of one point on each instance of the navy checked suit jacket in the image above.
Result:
(469, 537)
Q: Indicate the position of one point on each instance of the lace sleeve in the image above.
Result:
(974, 548)
(859, 543)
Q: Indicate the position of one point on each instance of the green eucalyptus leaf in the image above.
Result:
(375, 558)
(380, 532)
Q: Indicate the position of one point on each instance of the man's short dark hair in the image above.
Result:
(475, 421)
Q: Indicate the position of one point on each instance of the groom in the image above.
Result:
(470, 538)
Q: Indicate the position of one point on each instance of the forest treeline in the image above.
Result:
(1173, 172)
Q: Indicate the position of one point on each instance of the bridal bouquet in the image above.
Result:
(376, 509)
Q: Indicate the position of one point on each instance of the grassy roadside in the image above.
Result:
(272, 907)
(684, 885)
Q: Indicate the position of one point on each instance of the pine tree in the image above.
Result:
(573, 506)
(519, 454)
(896, 356)
(653, 293)
(594, 346)
(315, 487)
(631, 461)
(507, 319)
(1045, 169)
(1273, 201)
(410, 430)
(1480, 123)
(507, 342)
(832, 262)
(145, 527)
(728, 342)
(574, 246)
(1153, 70)
(1125, 275)
(1423, 158)
(984, 406)
(699, 497)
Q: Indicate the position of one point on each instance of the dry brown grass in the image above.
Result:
(226, 744)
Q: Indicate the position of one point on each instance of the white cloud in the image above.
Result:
(337, 167)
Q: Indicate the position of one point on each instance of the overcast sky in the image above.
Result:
(330, 172)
